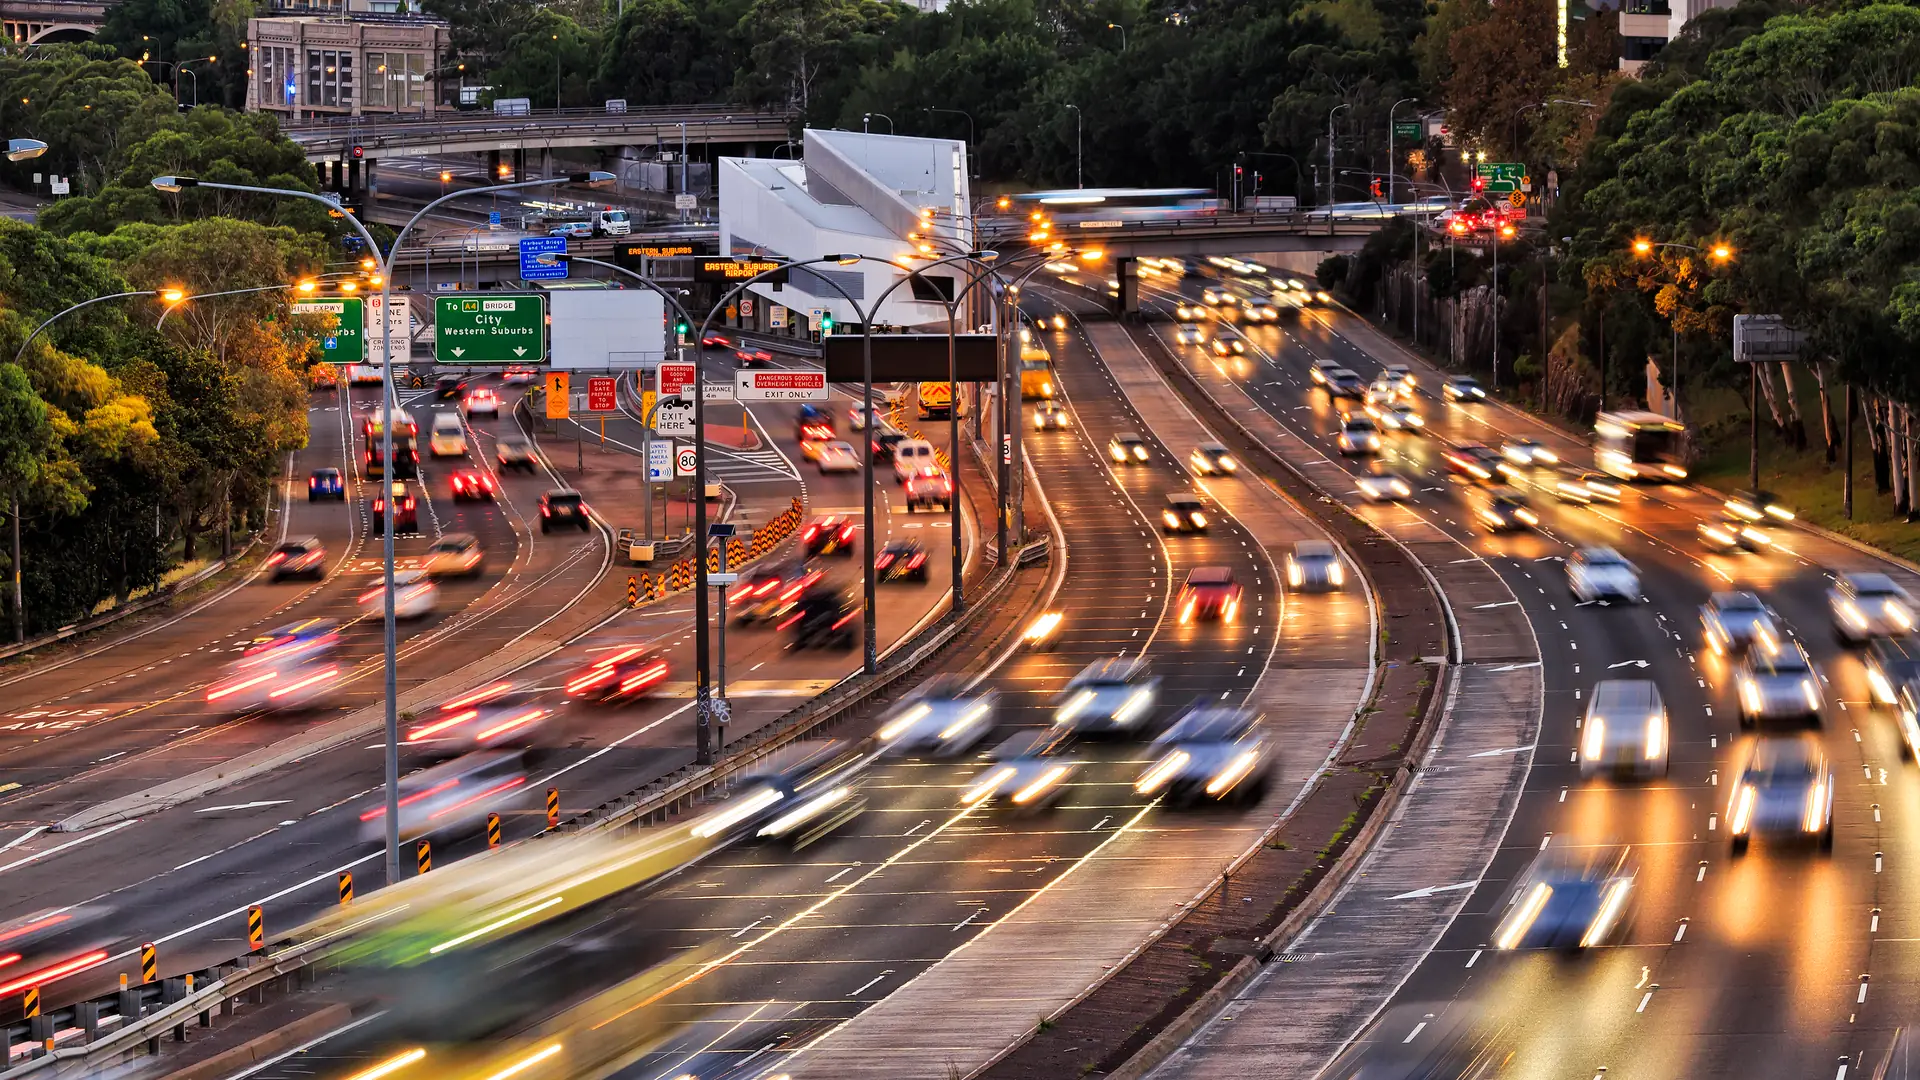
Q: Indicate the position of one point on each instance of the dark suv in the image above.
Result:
(564, 507)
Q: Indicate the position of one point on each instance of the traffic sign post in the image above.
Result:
(559, 403)
(1500, 177)
(780, 385)
(676, 378)
(660, 462)
(685, 460)
(494, 330)
(346, 341)
(601, 396)
(532, 268)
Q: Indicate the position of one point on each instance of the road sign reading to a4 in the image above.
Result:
(601, 395)
(685, 461)
(490, 330)
(532, 269)
(345, 342)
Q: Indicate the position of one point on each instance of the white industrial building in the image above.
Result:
(902, 201)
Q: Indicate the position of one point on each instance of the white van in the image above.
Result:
(910, 456)
(449, 437)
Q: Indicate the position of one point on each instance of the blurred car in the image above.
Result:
(323, 377)
(1505, 509)
(1731, 534)
(1315, 566)
(1358, 435)
(326, 484)
(405, 514)
(835, 457)
(1183, 513)
(1601, 573)
(500, 714)
(901, 560)
(1402, 377)
(623, 674)
(1582, 486)
(1211, 457)
(1569, 898)
(713, 339)
(1382, 483)
(301, 556)
(812, 423)
(765, 592)
(453, 797)
(1260, 309)
(1758, 506)
(1527, 453)
(449, 387)
(929, 488)
(1734, 622)
(1127, 448)
(857, 416)
(46, 946)
(1184, 312)
(830, 535)
(1029, 771)
(1107, 696)
(1210, 592)
(811, 449)
(1049, 415)
(1228, 342)
(512, 452)
(1321, 370)
(564, 508)
(471, 484)
(1397, 416)
(455, 554)
(1785, 791)
(1891, 661)
(823, 616)
(483, 400)
(516, 376)
(1868, 605)
(1907, 708)
(1625, 729)
(289, 667)
(1209, 753)
(1344, 383)
(414, 596)
(884, 440)
(746, 358)
(944, 719)
(1379, 391)
(910, 456)
(1043, 631)
(1475, 461)
(796, 796)
(1189, 334)
(1776, 681)
(448, 436)
(573, 230)
(1218, 296)
(1463, 388)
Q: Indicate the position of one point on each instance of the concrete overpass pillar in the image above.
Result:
(546, 161)
(493, 166)
(373, 183)
(520, 164)
(353, 178)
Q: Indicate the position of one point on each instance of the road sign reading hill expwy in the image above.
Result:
(345, 341)
(490, 330)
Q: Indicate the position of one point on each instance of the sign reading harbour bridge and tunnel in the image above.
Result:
(490, 329)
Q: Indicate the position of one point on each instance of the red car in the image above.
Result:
(828, 536)
(749, 357)
(472, 484)
(622, 674)
(716, 341)
(1210, 593)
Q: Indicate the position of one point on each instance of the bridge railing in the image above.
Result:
(648, 116)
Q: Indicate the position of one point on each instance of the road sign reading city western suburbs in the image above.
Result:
(1501, 176)
(490, 330)
(345, 342)
(531, 266)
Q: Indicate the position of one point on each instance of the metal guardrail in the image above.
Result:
(644, 112)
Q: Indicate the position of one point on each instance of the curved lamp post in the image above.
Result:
(176, 184)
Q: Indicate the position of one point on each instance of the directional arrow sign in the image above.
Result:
(345, 342)
(490, 330)
(1434, 890)
(1628, 663)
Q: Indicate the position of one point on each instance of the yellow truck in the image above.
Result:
(1036, 372)
(936, 400)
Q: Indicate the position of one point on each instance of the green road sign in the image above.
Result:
(1407, 129)
(1501, 176)
(490, 329)
(346, 343)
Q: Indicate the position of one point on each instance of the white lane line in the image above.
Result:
(1415, 1033)
(742, 932)
(858, 990)
(23, 838)
(58, 848)
(244, 806)
(963, 922)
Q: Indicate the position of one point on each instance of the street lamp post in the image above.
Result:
(1079, 173)
(1392, 163)
(866, 119)
(1123, 34)
(389, 404)
(1330, 114)
(1720, 254)
(975, 170)
(1504, 231)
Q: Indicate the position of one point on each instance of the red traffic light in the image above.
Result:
(359, 152)
(1376, 187)
(1478, 183)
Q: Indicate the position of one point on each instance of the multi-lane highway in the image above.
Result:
(1787, 961)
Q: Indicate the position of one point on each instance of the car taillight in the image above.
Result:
(812, 531)
(546, 512)
(846, 533)
(379, 505)
(883, 562)
(276, 557)
(914, 563)
(313, 481)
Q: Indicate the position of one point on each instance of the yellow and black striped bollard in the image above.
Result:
(553, 808)
(256, 928)
(31, 1006)
(149, 963)
(423, 855)
(633, 592)
(493, 831)
(346, 887)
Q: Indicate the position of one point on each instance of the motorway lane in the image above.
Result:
(284, 837)
(1764, 980)
(157, 725)
(820, 935)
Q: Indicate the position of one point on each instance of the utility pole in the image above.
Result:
(1330, 114)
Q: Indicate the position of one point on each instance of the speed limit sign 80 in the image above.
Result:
(685, 460)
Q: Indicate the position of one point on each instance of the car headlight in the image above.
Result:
(1898, 615)
(1514, 929)
(1117, 453)
(1130, 709)
(1814, 818)
(1172, 519)
(1227, 464)
(1527, 516)
(1750, 696)
(1401, 488)
(973, 715)
(988, 784)
(1040, 785)
(1235, 771)
(1612, 903)
(1656, 736)
(905, 721)
(1293, 572)
(1812, 695)
(1199, 520)
(1594, 739)
(1852, 614)
(1073, 707)
(1740, 812)
(1160, 772)
(1140, 452)
(1882, 690)
(1336, 574)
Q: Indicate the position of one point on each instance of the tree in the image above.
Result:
(666, 52)
(795, 43)
(550, 60)
(167, 33)
(26, 439)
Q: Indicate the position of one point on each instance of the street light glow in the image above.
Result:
(1722, 252)
(1642, 246)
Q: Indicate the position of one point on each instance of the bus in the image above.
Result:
(1639, 445)
(406, 449)
(1112, 207)
(1036, 369)
(936, 400)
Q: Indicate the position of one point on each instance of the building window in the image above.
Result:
(1641, 49)
(396, 80)
(274, 68)
(329, 78)
(1646, 7)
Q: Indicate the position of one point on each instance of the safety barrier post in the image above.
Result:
(149, 962)
(256, 928)
(553, 808)
(346, 887)
(423, 854)
(493, 831)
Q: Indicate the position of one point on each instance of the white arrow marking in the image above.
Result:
(1593, 603)
(458, 352)
(1497, 753)
(1503, 603)
(1518, 667)
(1432, 890)
(1551, 558)
(519, 350)
(243, 806)
(1627, 663)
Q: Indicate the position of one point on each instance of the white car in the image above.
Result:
(837, 457)
(1601, 573)
(944, 720)
(1190, 334)
(857, 416)
(414, 596)
(1385, 485)
(1869, 605)
(1359, 436)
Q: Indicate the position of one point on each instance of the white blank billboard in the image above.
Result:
(607, 329)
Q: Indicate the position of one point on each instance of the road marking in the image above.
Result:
(1517, 667)
(1433, 890)
(1681, 931)
(1503, 603)
(1632, 663)
(743, 930)
(1497, 753)
(58, 848)
(23, 838)
(963, 922)
(869, 983)
(1474, 959)
(1415, 1033)
(244, 806)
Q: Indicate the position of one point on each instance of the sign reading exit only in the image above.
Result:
(490, 330)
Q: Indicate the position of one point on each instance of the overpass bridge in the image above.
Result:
(1206, 234)
(334, 137)
(35, 21)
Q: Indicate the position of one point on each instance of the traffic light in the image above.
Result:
(680, 330)
(1236, 172)
(1479, 182)
(1376, 187)
(826, 322)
